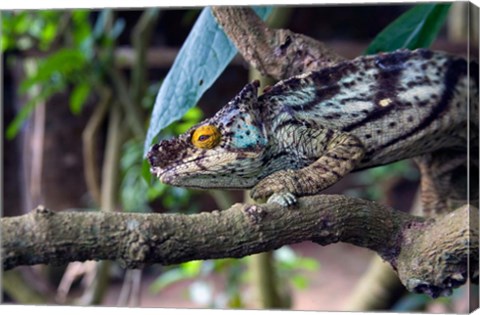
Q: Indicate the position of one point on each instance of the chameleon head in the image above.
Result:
(224, 151)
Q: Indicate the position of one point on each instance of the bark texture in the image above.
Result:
(431, 256)
(277, 53)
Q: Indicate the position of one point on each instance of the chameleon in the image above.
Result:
(307, 132)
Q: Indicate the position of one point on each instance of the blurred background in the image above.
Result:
(78, 90)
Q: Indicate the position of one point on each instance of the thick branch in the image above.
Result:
(449, 246)
(431, 255)
(278, 53)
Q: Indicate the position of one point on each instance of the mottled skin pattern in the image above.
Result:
(305, 133)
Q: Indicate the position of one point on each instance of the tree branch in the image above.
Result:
(141, 36)
(431, 256)
(278, 53)
(89, 137)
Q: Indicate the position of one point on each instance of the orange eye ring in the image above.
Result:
(206, 137)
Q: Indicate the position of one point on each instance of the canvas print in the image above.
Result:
(320, 157)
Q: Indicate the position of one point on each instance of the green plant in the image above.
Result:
(79, 65)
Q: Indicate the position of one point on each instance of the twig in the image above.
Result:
(89, 144)
(36, 142)
(112, 159)
(96, 289)
(141, 36)
(132, 111)
(130, 292)
(431, 256)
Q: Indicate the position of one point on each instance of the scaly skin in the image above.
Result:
(305, 133)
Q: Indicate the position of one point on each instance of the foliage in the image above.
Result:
(416, 28)
(80, 64)
(370, 179)
(25, 30)
(205, 54)
(291, 269)
(77, 57)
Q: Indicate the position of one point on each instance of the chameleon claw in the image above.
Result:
(284, 199)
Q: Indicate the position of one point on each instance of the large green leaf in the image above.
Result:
(416, 28)
(202, 58)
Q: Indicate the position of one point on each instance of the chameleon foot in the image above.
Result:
(284, 199)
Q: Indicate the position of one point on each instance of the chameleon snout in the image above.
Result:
(152, 159)
(164, 153)
(158, 159)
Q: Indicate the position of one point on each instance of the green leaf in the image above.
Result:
(193, 115)
(192, 268)
(202, 58)
(156, 190)
(62, 62)
(48, 33)
(309, 264)
(78, 97)
(14, 25)
(146, 175)
(300, 282)
(6, 43)
(82, 31)
(21, 22)
(416, 28)
(81, 16)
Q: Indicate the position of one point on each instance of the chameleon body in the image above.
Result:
(307, 132)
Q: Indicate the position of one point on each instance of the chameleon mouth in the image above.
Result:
(165, 175)
(201, 171)
(157, 171)
(170, 173)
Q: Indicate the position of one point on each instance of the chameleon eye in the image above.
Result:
(203, 137)
(206, 137)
